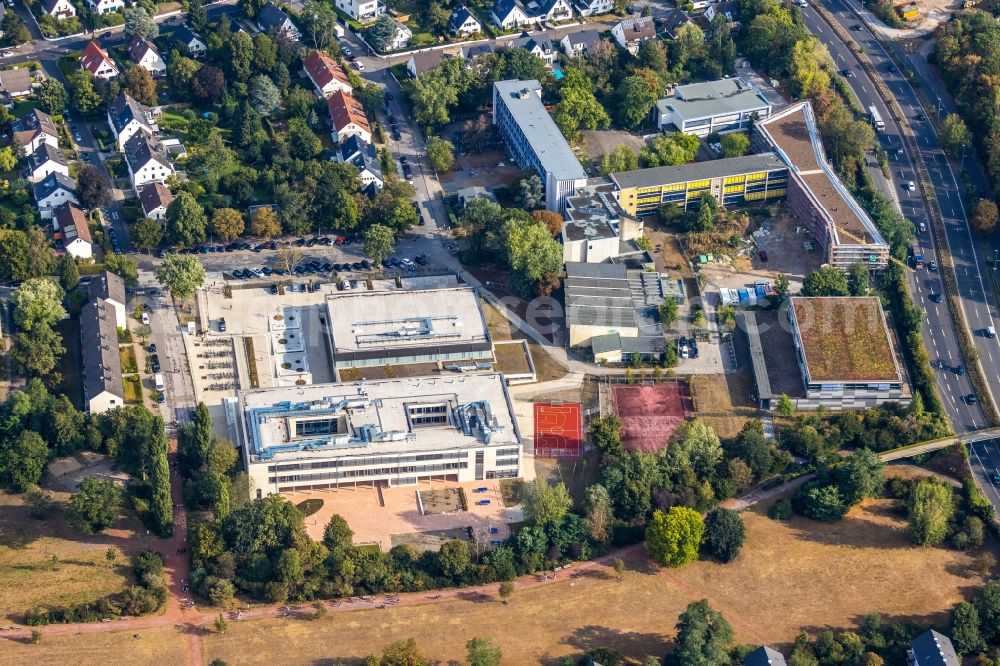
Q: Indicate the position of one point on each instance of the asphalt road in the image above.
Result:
(984, 459)
(939, 332)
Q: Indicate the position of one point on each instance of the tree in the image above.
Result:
(38, 302)
(785, 406)
(819, 502)
(83, 95)
(181, 71)
(92, 188)
(139, 84)
(139, 22)
(724, 534)
(36, 352)
(303, 143)
(600, 515)
(826, 281)
(124, 267)
(185, 221)
(622, 158)
(69, 273)
(14, 29)
(860, 476)
(544, 504)
(227, 223)
(672, 538)
(146, 233)
(985, 216)
(95, 505)
(578, 108)
(8, 160)
(669, 149)
(703, 637)
(378, 242)
(381, 33)
(453, 557)
(954, 135)
(636, 96)
(551, 221)
(14, 255)
(858, 279)
(23, 460)
(208, 85)
(668, 311)
(403, 653)
(288, 257)
(264, 95)
(440, 153)
(931, 507)
(197, 16)
(529, 191)
(181, 275)
(533, 255)
(988, 606)
(319, 22)
(264, 223)
(52, 96)
(505, 591)
(482, 651)
(735, 144)
(965, 632)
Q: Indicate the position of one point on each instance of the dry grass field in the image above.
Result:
(28, 574)
(721, 401)
(153, 647)
(791, 576)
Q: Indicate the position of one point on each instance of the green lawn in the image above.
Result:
(127, 355)
(68, 64)
(22, 107)
(133, 390)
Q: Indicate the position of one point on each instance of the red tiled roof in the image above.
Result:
(69, 217)
(345, 110)
(93, 57)
(323, 69)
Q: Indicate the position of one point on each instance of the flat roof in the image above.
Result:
(390, 324)
(525, 105)
(666, 175)
(844, 339)
(377, 417)
(772, 353)
(714, 98)
(794, 135)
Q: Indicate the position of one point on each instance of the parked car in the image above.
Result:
(154, 363)
(145, 318)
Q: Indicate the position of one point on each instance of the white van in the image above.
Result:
(158, 379)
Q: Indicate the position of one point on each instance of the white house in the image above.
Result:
(630, 32)
(401, 37)
(46, 160)
(553, 10)
(102, 370)
(71, 225)
(362, 10)
(59, 9)
(509, 14)
(538, 46)
(95, 60)
(191, 41)
(422, 61)
(347, 118)
(326, 74)
(593, 7)
(127, 116)
(145, 55)
(154, 199)
(272, 19)
(106, 6)
(463, 22)
(53, 191)
(355, 150)
(579, 44)
(147, 160)
(110, 288)
(36, 128)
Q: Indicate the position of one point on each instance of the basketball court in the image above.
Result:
(558, 429)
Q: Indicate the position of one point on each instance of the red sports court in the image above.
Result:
(650, 414)
(558, 430)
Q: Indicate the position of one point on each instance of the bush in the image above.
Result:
(724, 534)
(781, 510)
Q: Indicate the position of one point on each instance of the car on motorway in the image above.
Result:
(910, 186)
(932, 265)
(856, 27)
(937, 298)
(960, 370)
(996, 477)
(920, 117)
(847, 73)
(389, 97)
(971, 399)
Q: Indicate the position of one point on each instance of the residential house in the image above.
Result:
(355, 150)
(44, 160)
(53, 191)
(472, 51)
(154, 199)
(271, 19)
(672, 21)
(347, 117)
(106, 6)
(593, 7)
(424, 61)
(550, 10)
(194, 44)
(932, 649)
(463, 22)
(110, 288)
(363, 11)
(147, 160)
(401, 37)
(126, 116)
(727, 9)
(630, 32)
(59, 9)
(70, 226)
(96, 60)
(764, 656)
(579, 44)
(36, 128)
(102, 368)
(144, 54)
(15, 83)
(509, 15)
(468, 194)
(326, 74)
(538, 45)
